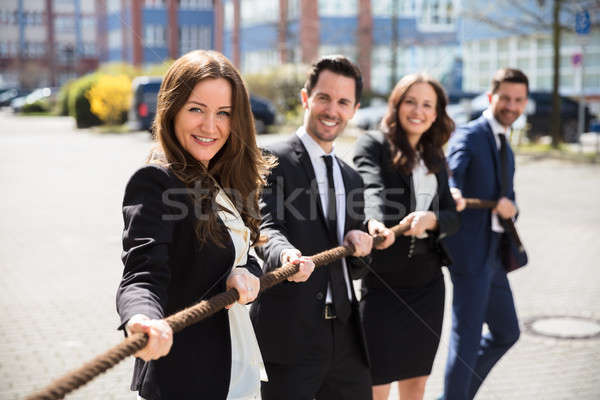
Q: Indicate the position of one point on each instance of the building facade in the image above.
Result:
(488, 47)
(262, 33)
(145, 32)
(46, 42)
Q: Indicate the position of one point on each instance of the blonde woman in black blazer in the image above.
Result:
(178, 248)
(405, 176)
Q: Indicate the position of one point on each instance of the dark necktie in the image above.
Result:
(339, 291)
(503, 166)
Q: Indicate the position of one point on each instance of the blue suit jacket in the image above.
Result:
(474, 161)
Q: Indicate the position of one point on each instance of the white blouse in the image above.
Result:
(246, 360)
(425, 186)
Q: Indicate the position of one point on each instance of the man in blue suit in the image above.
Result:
(482, 293)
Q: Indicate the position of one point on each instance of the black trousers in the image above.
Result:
(334, 369)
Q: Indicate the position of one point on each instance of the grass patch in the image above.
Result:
(563, 152)
(123, 128)
(36, 114)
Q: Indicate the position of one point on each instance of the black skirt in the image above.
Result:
(403, 330)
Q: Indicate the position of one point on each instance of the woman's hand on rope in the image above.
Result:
(419, 221)
(245, 283)
(362, 242)
(160, 336)
(377, 228)
(461, 204)
(305, 269)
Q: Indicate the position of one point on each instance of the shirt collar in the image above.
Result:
(494, 124)
(314, 150)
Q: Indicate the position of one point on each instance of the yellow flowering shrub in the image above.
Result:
(110, 98)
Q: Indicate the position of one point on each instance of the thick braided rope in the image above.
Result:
(478, 203)
(178, 321)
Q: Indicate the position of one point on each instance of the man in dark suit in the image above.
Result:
(482, 293)
(309, 329)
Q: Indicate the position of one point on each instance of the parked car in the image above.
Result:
(9, 95)
(264, 113)
(143, 106)
(45, 93)
(369, 118)
(539, 115)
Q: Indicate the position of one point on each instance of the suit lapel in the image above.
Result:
(303, 159)
(494, 150)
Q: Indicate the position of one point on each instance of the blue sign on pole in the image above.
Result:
(582, 22)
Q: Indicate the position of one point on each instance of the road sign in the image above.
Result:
(577, 59)
(582, 22)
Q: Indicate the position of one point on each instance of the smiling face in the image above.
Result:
(417, 111)
(202, 125)
(508, 102)
(329, 107)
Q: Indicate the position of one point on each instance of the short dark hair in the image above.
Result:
(509, 75)
(337, 64)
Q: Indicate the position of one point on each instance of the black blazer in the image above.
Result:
(165, 271)
(389, 197)
(285, 316)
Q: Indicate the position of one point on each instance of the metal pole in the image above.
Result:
(581, 111)
(395, 39)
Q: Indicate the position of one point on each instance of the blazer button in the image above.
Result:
(319, 296)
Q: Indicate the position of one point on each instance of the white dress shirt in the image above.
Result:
(316, 153)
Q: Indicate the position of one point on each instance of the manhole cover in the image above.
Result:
(564, 327)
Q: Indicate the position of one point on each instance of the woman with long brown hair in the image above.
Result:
(406, 180)
(190, 216)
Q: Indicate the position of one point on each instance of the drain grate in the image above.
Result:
(564, 327)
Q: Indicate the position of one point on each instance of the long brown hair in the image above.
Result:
(431, 142)
(239, 167)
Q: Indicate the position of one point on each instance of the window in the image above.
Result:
(523, 63)
(502, 45)
(65, 52)
(64, 24)
(338, 8)
(155, 36)
(544, 43)
(34, 49)
(88, 24)
(193, 37)
(293, 9)
(113, 6)
(258, 60)
(259, 12)
(8, 17)
(196, 5)
(484, 46)
(115, 40)
(433, 14)
(228, 11)
(154, 3)
(88, 49)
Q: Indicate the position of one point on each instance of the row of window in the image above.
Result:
(11, 17)
(590, 60)
(64, 52)
(429, 13)
(524, 44)
(194, 37)
(191, 37)
(183, 4)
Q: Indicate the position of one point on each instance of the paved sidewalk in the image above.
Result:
(59, 264)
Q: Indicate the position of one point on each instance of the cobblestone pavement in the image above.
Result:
(59, 263)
